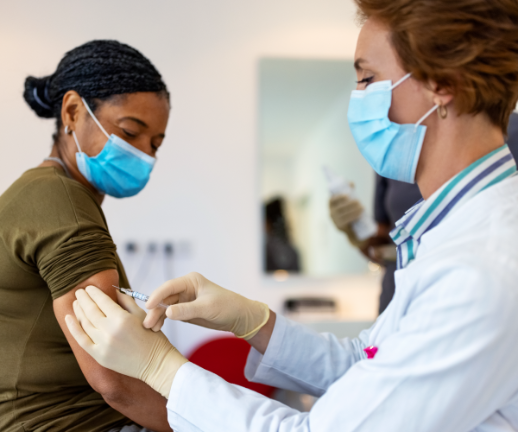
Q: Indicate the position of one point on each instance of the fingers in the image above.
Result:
(349, 215)
(78, 333)
(345, 211)
(129, 304)
(171, 300)
(157, 314)
(153, 318)
(342, 203)
(103, 302)
(86, 324)
(88, 308)
(339, 201)
(159, 324)
(169, 288)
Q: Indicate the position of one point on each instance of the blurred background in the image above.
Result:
(302, 129)
(259, 94)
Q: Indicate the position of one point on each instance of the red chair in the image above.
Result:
(226, 357)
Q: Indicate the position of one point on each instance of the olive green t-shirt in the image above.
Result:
(53, 236)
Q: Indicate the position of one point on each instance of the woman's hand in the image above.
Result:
(344, 210)
(115, 337)
(202, 302)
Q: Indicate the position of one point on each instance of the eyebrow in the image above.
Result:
(136, 120)
(357, 64)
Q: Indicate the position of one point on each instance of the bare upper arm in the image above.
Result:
(101, 379)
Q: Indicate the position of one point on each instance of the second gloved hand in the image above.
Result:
(115, 337)
(202, 302)
(344, 211)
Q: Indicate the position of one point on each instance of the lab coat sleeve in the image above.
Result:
(448, 368)
(200, 401)
(302, 360)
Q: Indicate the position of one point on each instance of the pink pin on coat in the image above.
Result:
(371, 351)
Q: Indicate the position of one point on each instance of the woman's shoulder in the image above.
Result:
(52, 179)
(48, 192)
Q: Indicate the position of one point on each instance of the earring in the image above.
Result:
(443, 111)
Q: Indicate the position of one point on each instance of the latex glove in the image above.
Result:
(344, 211)
(202, 302)
(115, 337)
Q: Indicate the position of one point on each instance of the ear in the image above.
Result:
(70, 109)
(440, 96)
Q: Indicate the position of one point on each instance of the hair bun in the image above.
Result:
(36, 94)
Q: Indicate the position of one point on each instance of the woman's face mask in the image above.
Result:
(119, 170)
(391, 149)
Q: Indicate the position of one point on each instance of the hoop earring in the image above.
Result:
(443, 111)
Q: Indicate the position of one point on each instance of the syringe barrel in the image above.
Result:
(139, 296)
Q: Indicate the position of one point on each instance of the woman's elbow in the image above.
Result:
(109, 384)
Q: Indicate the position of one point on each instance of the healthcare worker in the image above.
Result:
(392, 198)
(437, 83)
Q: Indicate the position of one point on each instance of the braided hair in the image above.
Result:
(97, 71)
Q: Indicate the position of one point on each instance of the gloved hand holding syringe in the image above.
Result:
(117, 336)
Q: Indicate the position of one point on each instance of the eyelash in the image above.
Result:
(129, 134)
(154, 147)
(365, 80)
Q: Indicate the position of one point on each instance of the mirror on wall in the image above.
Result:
(302, 128)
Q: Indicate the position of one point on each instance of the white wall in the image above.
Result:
(204, 189)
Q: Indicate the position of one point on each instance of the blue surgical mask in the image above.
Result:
(119, 170)
(391, 149)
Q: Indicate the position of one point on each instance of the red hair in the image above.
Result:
(467, 47)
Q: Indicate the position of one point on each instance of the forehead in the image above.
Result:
(373, 47)
(152, 108)
(141, 101)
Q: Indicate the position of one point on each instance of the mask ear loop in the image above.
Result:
(68, 132)
(77, 142)
(408, 75)
(428, 114)
(95, 118)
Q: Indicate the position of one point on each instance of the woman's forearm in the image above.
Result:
(140, 403)
(261, 340)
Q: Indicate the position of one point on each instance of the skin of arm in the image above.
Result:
(261, 340)
(131, 397)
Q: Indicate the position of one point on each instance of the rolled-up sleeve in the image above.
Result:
(76, 260)
(61, 234)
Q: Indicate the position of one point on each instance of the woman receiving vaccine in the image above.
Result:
(111, 109)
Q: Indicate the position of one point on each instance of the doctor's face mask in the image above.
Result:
(119, 170)
(391, 149)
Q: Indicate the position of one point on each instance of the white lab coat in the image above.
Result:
(448, 347)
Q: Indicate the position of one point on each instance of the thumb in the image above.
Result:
(167, 289)
(184, 311)
(128, 304)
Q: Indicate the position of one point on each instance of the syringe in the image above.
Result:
(137, 295)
